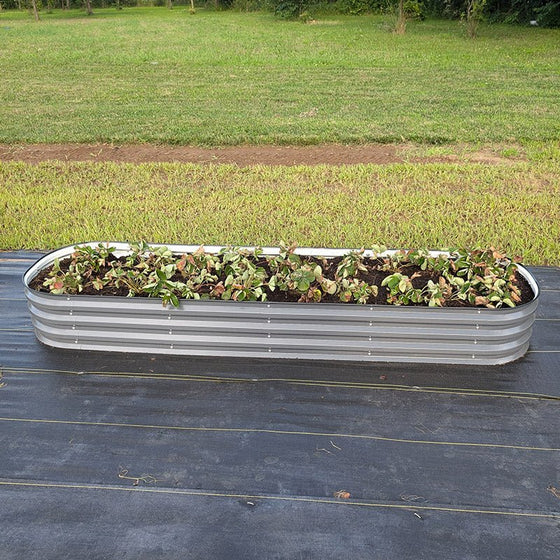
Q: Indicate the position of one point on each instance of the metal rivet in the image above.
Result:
(170, 331)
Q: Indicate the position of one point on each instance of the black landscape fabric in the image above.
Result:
(108, 455)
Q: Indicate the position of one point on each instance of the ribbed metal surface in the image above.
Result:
(280, 330)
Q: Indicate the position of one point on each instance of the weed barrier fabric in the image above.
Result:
(139, 456)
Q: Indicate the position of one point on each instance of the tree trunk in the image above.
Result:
(35, 10)
(89, 11)
(473, 16)
(400, 27)
(170, 4)
(192, 7)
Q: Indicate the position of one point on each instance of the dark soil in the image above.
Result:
(372, 276)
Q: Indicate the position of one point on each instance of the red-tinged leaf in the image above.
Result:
(219, 289)
(182, 263)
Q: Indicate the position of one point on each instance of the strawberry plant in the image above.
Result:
(476, 278)
(401, 290)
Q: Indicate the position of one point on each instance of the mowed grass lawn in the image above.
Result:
(515, 207)
(164, 76)
(218, 78)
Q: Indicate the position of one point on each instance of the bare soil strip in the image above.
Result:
(333, 154)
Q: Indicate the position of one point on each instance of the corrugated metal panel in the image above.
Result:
(280, 330)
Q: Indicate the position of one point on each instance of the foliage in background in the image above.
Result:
(289, 9)
(545, 12)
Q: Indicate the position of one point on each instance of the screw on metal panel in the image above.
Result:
(171, 346)
(477, 326)
(370, 338)
(475, 341)
(170, 331)
(473, 356)
(268, 320)
(268, 335)
(371, 323)
(70, 312)
(270, 349)
(369, 353)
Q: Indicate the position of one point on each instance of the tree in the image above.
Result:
(474, 15)
(89, 11)
(35, 9)
(400, 26)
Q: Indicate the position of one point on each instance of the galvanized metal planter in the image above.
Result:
(327, 331)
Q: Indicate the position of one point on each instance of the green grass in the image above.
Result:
(515, 207)
(164, 76)
(158, 75)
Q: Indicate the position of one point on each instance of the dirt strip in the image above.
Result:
(331, 154)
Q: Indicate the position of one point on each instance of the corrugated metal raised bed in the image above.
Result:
(327, 331)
